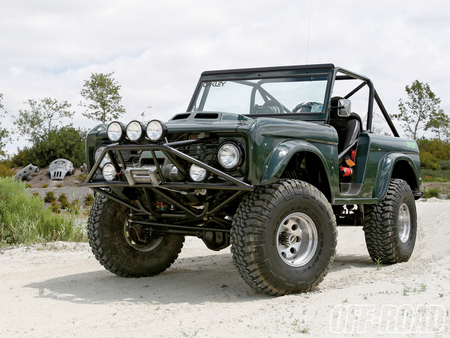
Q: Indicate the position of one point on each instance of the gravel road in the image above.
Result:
(61, 290)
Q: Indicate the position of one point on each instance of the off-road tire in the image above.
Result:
(110, 246)
(255, 244)
(384, 229)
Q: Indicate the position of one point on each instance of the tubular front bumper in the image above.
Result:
(168, 149)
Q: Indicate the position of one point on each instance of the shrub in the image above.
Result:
(55, 207)
(5, 171)
(89, 200)
(24, 219)
(44, 186)
(445, 165)
(433, 192)
(49, 197)
(59, 186)
(64, 202)
(66, 142)
(36, 194)
(428, 161)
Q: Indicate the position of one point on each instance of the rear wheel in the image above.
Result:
(125, 248)
(284, 237)
(391, 226)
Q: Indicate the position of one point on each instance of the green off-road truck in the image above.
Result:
(269, 160)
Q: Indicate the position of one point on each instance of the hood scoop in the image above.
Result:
(207, 116)
(197, 116)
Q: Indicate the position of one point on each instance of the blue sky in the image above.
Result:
(157, 49)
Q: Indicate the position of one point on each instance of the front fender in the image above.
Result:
(385, 170)
(279, 158)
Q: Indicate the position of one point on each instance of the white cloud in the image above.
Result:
(157, 50)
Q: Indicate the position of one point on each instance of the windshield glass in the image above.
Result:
(304, 95)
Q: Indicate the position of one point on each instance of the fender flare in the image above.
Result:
(280, 157)
(385, 169)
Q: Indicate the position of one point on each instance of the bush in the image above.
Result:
(89, 200)
(428, 161)
(49, 197)
(66, 142)
(55, 207)
(64, 202)
(44, 186)
(445, 165)
(24, 219)
(5, 171)
(433, 192)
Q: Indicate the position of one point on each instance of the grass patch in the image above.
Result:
(429, 175)
(24, 219)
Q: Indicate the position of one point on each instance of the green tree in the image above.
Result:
(421, 112)
(37, 122)
(4, 133)
(65, 142)
(102, 90)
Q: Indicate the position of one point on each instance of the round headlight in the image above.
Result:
(197, 174)
(229, 156)
(156, 130)
(115, 131)
(97, 154)
(135, 131)
(109, 172)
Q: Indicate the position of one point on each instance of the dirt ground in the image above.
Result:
(71, 185)
(61, 290)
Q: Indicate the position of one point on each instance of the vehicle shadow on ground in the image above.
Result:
(192, 280)
(345, 262)
(209, 278)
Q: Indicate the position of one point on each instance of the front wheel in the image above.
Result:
(125, 248)
(284, 237)
(391, 226)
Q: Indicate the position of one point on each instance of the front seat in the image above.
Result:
(347, 127)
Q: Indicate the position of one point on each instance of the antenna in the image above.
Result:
(309, 28)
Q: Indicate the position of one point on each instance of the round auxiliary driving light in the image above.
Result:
(108, 172)
(116, 131)
(229, 156)
(198, 174)
(97, 154)
(135, 131)
(156, 130)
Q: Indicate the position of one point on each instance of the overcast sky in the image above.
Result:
(157, 49)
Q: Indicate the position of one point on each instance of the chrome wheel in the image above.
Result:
(404, 223)
(138, 238)
(297, 239)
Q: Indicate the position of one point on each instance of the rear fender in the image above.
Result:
(386, 169)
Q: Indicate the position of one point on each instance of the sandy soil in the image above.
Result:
(61, 290)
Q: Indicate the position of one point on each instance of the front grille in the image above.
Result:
(205, 152)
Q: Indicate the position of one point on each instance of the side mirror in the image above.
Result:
(344, 108)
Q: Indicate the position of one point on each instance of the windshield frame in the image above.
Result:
(265, 75)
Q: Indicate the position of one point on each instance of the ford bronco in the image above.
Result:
(269, 160)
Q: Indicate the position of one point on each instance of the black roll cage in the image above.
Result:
(337, 74)
(373, 96)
